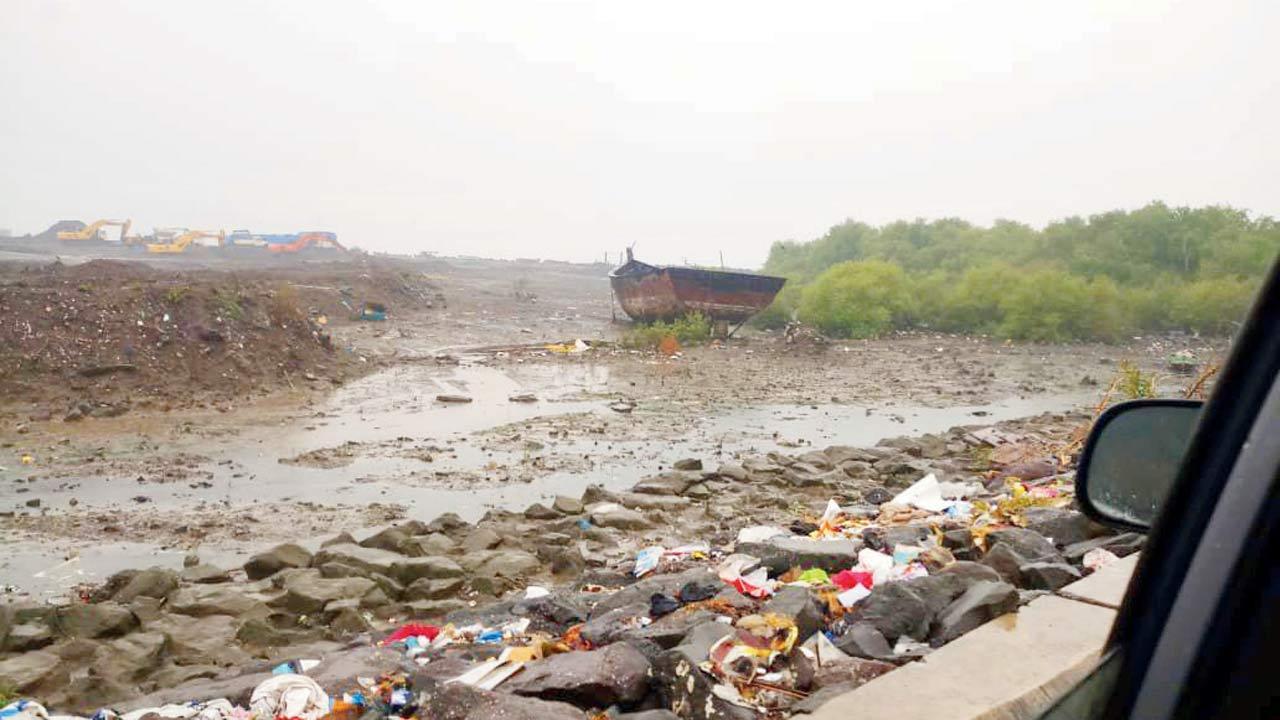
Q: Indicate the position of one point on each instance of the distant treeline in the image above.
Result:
(1102, 278)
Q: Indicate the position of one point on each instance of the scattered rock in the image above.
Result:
(482, 538)
(667, 483)
(94, 620)
(862, 639)
(205, 600)
(502, 563)
(407, 570)
(1062, 526)
(433, 588)
(1121, 545)
(784, 552)
(35, 673)
(266, 564)
(538, 511)
(452, 398)
(685, 688)
(153, 582)
(388, 539)
(688, 464)
(613, 515)
(982, 602)
(367, 559)
(205, 574)
(615, 674)
(307, 592)
(567, 505)
(431, 544)
(1048, 575)
(26, 637)
(895, 610)
(796, 602)
(446, 523)
(455, 701)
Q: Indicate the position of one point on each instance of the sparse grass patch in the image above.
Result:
(228, 303)
(692, 328)
(285, 307)
(1134, 384)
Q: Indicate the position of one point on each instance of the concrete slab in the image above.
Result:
(1106, 586)
(1012, 667)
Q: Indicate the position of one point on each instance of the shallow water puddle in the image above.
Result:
(395, 421)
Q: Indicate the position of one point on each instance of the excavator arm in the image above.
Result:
(90, 231)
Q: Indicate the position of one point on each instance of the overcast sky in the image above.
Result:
(523, 129)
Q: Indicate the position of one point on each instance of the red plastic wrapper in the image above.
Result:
(847, 579)
(409, 630)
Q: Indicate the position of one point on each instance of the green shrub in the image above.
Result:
(1213, 306)
(973, 304)
(692, 328)
(857, 299)
(1043, 306)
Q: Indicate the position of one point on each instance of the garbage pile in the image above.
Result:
(759, 589)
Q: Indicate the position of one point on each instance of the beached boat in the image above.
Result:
(649, 292)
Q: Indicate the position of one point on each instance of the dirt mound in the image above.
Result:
(118, 333)
(60, 226)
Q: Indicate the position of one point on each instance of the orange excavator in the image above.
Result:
(91, 231)
(315, 238)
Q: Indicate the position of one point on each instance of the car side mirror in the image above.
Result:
(1132, 458)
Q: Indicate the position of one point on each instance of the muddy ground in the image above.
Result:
(226, 459)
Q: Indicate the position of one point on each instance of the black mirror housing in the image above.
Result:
(1132, 458)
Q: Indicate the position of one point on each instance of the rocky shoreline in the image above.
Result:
(777, 582)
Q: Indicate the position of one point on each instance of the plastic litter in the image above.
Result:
(849, 579)
(904, 554)
(755, 584)
(822, 651)
(754, 663)
(647, 560)
(660, 605)
(219, 709)
(815, 576)
(289, 696)
(696, 551)
(694, 591)
(876, 563)
(411, 630)
(296, 667)
(23, 710)
(491, 673)
(852, 596)
(925, 493)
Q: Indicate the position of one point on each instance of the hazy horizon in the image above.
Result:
(564, 131)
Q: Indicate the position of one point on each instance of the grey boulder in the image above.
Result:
(614, 674)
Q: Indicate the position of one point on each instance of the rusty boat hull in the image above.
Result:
(648, 292)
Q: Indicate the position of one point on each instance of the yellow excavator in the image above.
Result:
(90, 231)
(181, 242)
